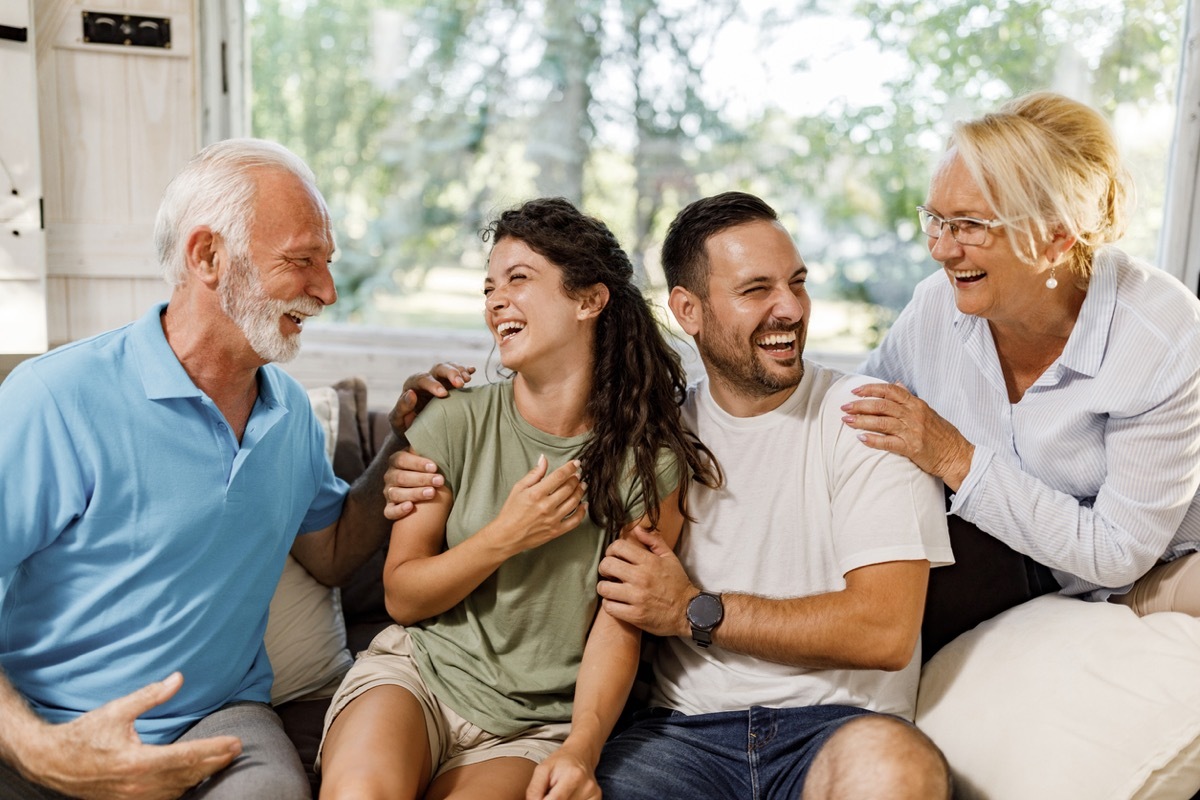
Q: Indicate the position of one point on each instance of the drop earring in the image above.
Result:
(1052, 281)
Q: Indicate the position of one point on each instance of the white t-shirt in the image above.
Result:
(803, 503)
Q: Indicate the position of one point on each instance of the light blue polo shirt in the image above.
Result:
(137, 537)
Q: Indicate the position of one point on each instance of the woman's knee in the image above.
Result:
(376, 747)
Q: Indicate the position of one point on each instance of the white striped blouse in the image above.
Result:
(1095, 471)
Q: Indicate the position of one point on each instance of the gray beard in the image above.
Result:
(246, 302)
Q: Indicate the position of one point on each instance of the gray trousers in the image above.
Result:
(267, 769)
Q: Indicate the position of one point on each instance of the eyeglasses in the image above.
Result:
(964, 230)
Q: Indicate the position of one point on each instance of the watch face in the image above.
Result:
(705, 611)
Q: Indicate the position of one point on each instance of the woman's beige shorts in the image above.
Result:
(453, 741)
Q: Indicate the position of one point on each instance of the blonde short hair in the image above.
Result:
(1047, 163)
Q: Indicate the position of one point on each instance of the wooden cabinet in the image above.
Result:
(23, 312)
(116, 123)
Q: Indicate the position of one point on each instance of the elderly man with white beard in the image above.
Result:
(155, 477)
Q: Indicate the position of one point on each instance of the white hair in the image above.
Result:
(216, 188)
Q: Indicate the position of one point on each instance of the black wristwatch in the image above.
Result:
(705, 612)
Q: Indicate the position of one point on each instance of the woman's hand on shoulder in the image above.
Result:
(541, 507)
(889, 417)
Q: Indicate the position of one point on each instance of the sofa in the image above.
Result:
(1029, 694)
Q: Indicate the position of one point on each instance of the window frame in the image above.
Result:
(1179, 245)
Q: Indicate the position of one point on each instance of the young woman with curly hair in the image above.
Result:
(502, 674)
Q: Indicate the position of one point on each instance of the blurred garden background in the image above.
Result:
(423, 119)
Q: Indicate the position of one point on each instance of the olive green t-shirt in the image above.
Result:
(507, 656)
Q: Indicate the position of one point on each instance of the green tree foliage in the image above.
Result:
(422, 118)
(866, 168)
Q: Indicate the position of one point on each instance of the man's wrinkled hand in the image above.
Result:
(409, 480)
(99, 755)
(419, 389)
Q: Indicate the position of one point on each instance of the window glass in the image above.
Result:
(423, 119)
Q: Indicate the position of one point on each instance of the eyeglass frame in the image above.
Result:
(986, 224)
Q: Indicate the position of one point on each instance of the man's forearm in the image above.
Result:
(872, 624)
(815, 632)
(21, 724)
(362, 527)
(365, 501)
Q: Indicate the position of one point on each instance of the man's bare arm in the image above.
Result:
(871, 624)
(333, 553)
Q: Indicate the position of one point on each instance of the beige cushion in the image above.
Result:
(306, 634)
(1061, 698)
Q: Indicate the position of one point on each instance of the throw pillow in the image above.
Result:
(306, 633)
(1061, 698)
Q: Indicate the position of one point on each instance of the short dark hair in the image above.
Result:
(684, 257)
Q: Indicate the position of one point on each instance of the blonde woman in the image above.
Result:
(1049, 379)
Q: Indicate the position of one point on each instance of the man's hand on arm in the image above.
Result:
(422, 387)
(99, 756)
(645, 585)
(410, 479)
(871, 624)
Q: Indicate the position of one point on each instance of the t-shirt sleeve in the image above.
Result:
(439, 433)
(884, 507)
(43, 485)
(669, 471)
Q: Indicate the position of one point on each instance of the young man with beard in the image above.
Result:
(155, 478)
(790, 615)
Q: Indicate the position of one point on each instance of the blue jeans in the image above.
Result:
(759, 754)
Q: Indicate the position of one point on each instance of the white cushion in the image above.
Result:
(306, 635)
(1062, 698)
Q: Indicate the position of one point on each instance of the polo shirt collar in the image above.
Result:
(163, 377)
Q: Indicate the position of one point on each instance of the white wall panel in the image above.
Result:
(99, 304)
(57, 311)
(101, 250)
(22, 240)
(117, 123)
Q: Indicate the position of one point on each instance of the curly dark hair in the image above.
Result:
(638, 381)
(684, 258)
